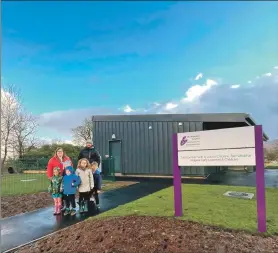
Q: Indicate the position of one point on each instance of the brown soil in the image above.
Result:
(13, 205)
(150, 235)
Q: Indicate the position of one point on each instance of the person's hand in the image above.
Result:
(98, 191)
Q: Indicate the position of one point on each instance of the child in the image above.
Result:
(87, 184)
(97, 182)
(55, 189)
(69, 186)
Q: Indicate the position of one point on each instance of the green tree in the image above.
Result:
(47, 151)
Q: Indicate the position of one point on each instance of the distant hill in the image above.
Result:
(271, 144)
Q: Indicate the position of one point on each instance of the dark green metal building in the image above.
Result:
(141, 144)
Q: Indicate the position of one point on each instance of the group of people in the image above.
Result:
(65, 181)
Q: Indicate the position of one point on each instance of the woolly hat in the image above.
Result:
(58, 169)
(70, 169)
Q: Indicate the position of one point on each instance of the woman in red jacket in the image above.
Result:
(61, 160)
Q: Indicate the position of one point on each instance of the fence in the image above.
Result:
(108, 169)
(29, 176)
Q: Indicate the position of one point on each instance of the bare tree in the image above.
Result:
(17, 126)
(83, 133)
(10, 106)
(271, 154)
(24, 133)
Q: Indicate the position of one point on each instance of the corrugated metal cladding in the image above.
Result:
(145, 150)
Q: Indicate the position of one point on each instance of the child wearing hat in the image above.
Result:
(55, 189)
(70, 184)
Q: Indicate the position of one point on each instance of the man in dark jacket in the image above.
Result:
(90, 153)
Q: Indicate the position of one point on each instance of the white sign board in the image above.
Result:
(239, 137)
(221, 157)
(223, 147)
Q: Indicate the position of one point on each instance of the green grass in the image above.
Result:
(206, 204)
(11, 184)
(271, 166)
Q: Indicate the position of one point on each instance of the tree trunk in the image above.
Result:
(5, 154)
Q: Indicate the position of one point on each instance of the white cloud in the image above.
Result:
(249, 81)
(48, 140)
(7, 97)
(267, 74)
(170, 106)
(211, 96)
(235, 86)
(276, 67)
(63, 121)
(127, 109)
(194, 92)
(199, 76)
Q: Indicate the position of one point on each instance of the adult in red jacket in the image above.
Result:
(61, 160)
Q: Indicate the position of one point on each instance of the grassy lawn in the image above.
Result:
(206, 204)
(271, 166)
(16, 184)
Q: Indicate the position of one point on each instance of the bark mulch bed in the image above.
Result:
(13, 205)
(17, 204)
(133, 234)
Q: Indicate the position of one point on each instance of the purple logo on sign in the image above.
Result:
(183, 140)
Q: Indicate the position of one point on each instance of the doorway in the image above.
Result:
(115, 151)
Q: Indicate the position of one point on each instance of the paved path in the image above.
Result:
(248, 179)
(24, 228)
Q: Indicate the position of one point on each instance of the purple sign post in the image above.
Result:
(176, 178)
(260, 179)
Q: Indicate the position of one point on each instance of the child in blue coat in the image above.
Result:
(69, 186)
(97, 182)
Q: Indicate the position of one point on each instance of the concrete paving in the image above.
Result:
(21, 229)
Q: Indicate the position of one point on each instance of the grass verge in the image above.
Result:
(207, 205)
(18, 184)
(271, 166)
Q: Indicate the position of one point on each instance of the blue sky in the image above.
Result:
(100, 56)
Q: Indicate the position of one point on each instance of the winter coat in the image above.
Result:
(91, 154)
(70, 182)
(87, 180)
(97, 180)
(55, 162)
(55, 185)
